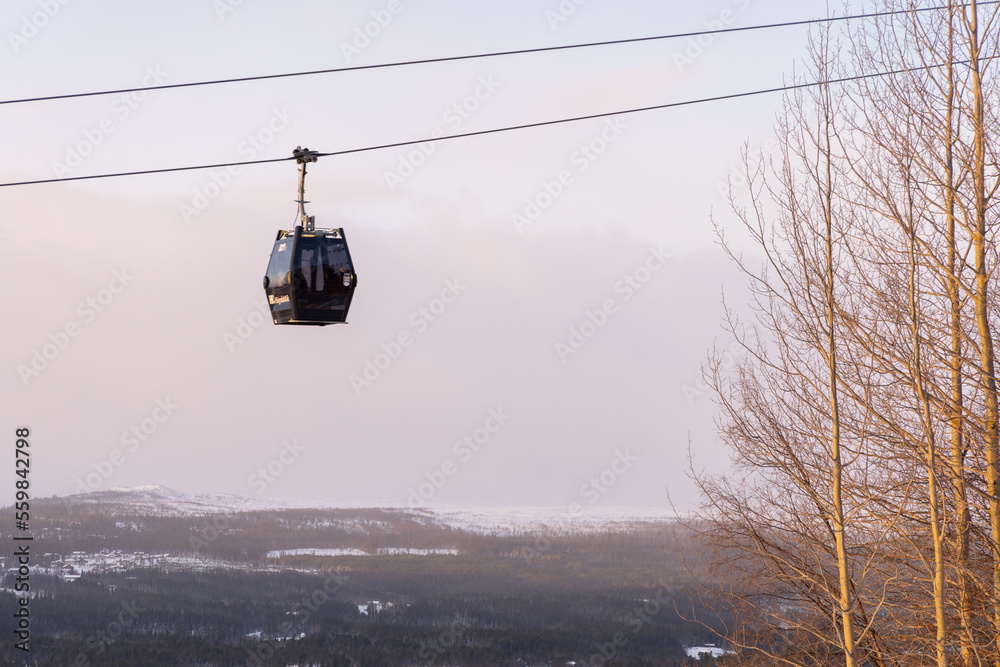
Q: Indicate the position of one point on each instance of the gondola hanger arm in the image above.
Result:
(304, 156)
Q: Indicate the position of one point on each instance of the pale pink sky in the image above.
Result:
(144, 292)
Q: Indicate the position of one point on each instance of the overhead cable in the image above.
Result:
(476, 133)
(495, 54)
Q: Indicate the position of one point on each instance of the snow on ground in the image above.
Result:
(316, 552)
(393, 551)
(709, 649)
(79, 563)
(507, 521)
(160, 500)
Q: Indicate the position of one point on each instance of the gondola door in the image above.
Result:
(278, 279)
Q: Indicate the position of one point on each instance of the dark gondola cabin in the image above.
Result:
(310, 278)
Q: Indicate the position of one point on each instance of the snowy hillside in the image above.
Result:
(162, 501)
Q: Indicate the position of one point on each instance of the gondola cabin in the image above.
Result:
(310, 279)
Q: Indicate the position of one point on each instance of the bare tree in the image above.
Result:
(865, 514)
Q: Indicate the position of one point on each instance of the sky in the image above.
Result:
(532, 308)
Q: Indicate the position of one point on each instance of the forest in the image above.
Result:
(612, 597)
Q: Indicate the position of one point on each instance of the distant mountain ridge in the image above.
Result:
(162, 499)
(158, 500)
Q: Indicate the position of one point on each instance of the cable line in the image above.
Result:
(495, 54)
(477, 133)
